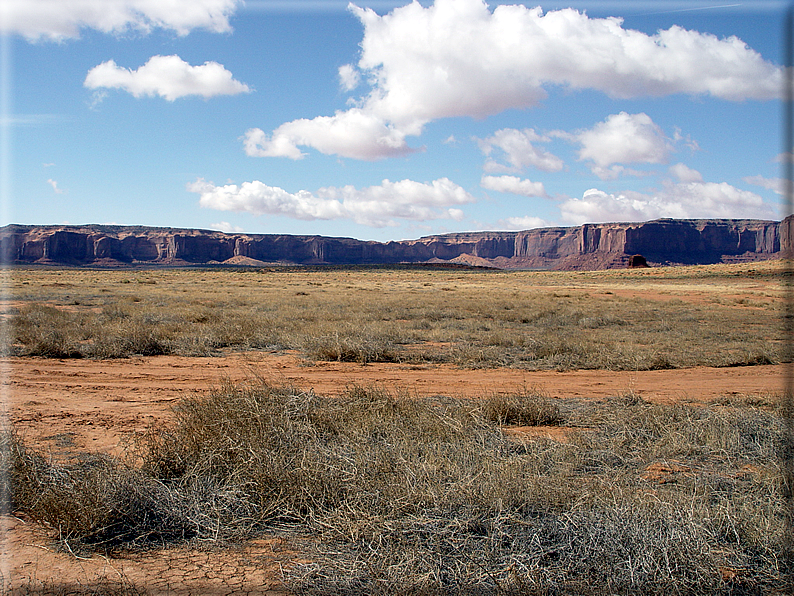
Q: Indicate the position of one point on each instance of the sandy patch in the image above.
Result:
(66, 405)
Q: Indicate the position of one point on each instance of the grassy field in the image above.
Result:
(389, 493)
(618, 320)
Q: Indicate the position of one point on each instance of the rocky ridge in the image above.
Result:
(590, 246)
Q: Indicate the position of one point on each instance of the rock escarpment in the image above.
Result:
(590, 246)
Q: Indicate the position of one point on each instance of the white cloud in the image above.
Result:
(63, 19)
(23, 120)
(457, 58)
(611, 173)
(624, 138)
(784, 157)
(684, 200)
(683, 173)
(616, 171)
(376, 206)
(777, 185)
(598, 206)
(514, 185)
(54, 185)
(354, 133)
(225, 226)
(526, 222)
(97, 97)
(280, 144)
(348, 77)
(167, 76)
(518, 150)
(687, 141)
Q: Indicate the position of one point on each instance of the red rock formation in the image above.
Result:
(591, 246)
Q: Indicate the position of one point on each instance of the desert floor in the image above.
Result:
(66, 406)
(62, 407)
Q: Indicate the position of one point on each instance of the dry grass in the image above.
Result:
(392, 494)
(527, 407)
(618, 320)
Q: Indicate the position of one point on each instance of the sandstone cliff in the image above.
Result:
(590, 246)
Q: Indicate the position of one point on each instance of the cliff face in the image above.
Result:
(591, 246)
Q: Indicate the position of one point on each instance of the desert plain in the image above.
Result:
(608, 393)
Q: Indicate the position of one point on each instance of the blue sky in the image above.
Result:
(389, 120)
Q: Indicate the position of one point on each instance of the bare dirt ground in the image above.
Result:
(65, 406)
(76, 405)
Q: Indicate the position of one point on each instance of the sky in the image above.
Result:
(389, 120)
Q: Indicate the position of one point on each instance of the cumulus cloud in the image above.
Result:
(167, 76)
(375, 206)
(457, 58)
(514, 185)
(354, 133)
(515, 147)
(683, 200)
(348, 77)
(624, 138)
(62, 19)
(54, 185)
(683, 173)
(526, 222)
(225, 226)
(777, 185)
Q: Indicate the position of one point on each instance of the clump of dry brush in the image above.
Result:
(397, 494)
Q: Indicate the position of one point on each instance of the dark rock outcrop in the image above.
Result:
(590, 246)
(637, 262)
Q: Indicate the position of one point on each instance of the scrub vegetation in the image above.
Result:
(394, 494)
(385, 492)
(710, 316)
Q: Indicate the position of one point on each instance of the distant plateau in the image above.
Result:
(661, 242)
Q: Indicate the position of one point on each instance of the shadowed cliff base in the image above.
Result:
(590, 246)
